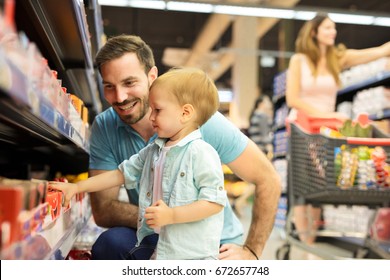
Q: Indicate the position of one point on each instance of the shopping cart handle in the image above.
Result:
(368, 141)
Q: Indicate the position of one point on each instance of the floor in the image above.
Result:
(277, 240)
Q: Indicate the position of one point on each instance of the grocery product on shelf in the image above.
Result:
(31, 215)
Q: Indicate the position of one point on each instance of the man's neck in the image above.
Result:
(144, 128)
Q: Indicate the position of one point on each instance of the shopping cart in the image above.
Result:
(312, 178)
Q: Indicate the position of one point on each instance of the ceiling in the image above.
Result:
(203, 40)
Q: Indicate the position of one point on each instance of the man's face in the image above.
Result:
(126, 87)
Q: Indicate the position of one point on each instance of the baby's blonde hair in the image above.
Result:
(191, 86)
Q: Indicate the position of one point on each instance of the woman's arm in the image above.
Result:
(353, 57)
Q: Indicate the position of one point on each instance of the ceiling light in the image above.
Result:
(253, 11)
(383, 21)
(119, 3)
(141, 4)
(225, 95)
(185, 7)
(304, 15)
(267, 61)
(348, 18)
(247, 10)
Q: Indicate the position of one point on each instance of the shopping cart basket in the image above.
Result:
(312, 177)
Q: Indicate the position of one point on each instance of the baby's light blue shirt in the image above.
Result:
(192, 172)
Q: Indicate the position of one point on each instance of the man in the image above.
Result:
(127, 67)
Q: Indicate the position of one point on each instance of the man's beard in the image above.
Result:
(137, 116)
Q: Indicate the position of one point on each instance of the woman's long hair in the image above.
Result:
(307, 44)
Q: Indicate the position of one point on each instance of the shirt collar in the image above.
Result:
(118, 122)
(196, 134)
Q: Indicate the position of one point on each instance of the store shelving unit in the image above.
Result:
(56, 237)
(60, 30)
(33, 134)
(347, 93)
(382, 115)
(280, 144)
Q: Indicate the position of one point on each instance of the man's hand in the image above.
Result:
(235, 252)
(158, 215)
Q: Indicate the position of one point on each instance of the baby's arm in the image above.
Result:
(159, 214)
(100, 182)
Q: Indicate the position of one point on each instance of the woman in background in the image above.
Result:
(312, 85)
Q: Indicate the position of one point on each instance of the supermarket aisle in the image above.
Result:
(278, 237)
(276, 240)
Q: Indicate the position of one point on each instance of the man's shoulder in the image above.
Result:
(215, 120)
(218, 124)
(108, 115)
(105, 123)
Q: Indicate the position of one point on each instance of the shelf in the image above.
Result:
(31, 130)
(347, 93)
(95, 23)
(18, 116)
(29, 113)
(279, 127)
(59, 30)
(55, 240)
(27, 137)
(382, 115)
(278, 101)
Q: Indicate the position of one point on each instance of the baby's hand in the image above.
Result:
(158, 215)
(68, 189)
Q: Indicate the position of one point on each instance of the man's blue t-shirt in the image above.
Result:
(112, 141)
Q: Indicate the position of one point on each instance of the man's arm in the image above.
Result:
(253, 167)
(108, 211)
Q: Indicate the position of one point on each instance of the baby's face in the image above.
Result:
(166, 112)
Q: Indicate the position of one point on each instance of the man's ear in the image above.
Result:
(188, 112)
(153, 74)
